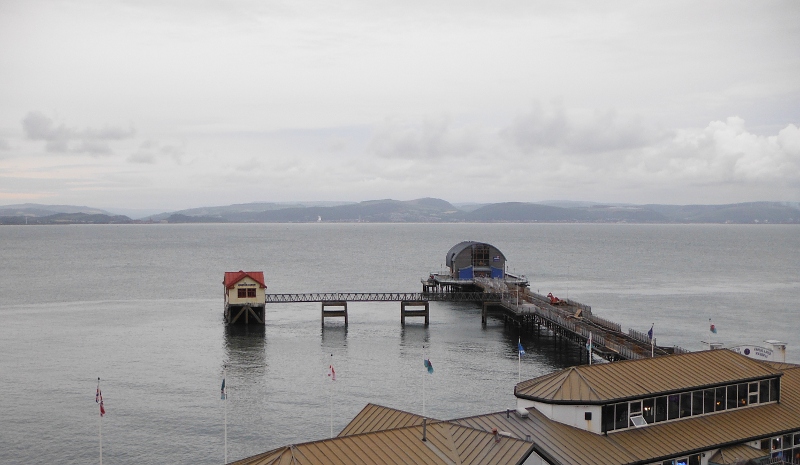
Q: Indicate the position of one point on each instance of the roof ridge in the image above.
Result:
(589, 385)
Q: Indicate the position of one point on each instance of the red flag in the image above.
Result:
(332, 372)
(102, 410)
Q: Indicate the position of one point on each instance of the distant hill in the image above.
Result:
(67, 218)
(424, 210)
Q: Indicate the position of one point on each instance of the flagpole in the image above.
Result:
(589, 347)
(100, 423)
(330, 395)
(423, 384)
(225, 399)
(519, 360)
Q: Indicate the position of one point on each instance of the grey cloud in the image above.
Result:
(430, 140)
(555, 128)
(4, 145)
(58, 138)
(142, 158)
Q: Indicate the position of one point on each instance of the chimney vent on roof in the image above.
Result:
(522, 412)
(424, 429)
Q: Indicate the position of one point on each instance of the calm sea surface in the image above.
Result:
(140, 306)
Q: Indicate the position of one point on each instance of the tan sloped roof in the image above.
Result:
(446, 444)
(377, 418)
(565, 444)
(734, 454)
(653, 443)
(603, 383)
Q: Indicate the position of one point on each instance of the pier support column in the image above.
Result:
(418, 309)
(339, 310)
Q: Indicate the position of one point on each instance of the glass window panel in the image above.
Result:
(697, 402)
(797, 439)
(708, 401)
(635, 407)
(763, 391)
(732, 399)
(742, 399)
(787, 441)
(719, 403)
(668, 462)
(796, 455)
(648, 410)
(661, 408)
(608, 418)
(682, 461)
(686, 404)
(621, 414)
(765, 444)
(694, 460)
(776, 443)
(673, 404)
(754, 387)
(774, 393)
(753, 399)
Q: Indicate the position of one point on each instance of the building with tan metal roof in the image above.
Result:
(703, 408)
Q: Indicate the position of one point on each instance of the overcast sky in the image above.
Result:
(168, 104)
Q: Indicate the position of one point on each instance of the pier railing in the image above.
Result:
(384, 297)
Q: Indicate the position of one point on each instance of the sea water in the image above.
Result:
(140, 306)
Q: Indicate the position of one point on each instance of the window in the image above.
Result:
(244, 293)
(480, 255)
(673, 403)
(708, 401)
(753, 390)
(719, 404)
(686, 404)
(661, 408)
(742, 388)
(774, 394)
(697, 403)
(732, 397)
(608, 418)
(763, 388)
(648, 410)
(621, 416)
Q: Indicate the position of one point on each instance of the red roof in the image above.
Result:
(233, 277)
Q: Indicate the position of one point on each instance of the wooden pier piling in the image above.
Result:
(418, 308)
(339, 309)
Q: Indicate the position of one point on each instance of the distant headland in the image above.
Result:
(425, 210)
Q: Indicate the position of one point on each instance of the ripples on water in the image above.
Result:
(141, 307)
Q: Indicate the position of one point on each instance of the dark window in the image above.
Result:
(797, 439)
(673, 406)
(763, 391)
(697, 403)
(648, 411)
(742, 388)
(251, 292)
(242, 293)
(732, 397)
(774, 393)
(682, 461)
(480, 255)
(776, 443)
(708, 401)
(686, 404)
(668, 462)
(694, 459)
(608, 418)
(719, 403)
(621, 415)
(661, 408)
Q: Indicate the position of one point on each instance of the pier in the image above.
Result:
(477, 273)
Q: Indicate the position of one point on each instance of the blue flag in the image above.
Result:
(520, 348)
(222, 390)
(429, 366)
(650, 333)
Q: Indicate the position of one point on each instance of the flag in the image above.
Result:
(713, 328)
(589, 342)
(331, 373)
(520, 348)
(222, 394)
(102, 410)
(429, 365)
(650, 333)
(97, 394)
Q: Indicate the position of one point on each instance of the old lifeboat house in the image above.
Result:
(244, 297)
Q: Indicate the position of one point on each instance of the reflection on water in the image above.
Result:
(245, 349)
(333, 338)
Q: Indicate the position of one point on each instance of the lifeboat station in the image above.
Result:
(715, 407)
(245, 294)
